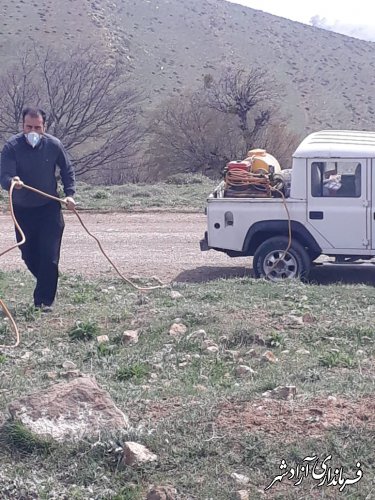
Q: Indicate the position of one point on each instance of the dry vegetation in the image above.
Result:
(191, 406)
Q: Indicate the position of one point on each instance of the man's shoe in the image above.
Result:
(44, 308)
(47, 309)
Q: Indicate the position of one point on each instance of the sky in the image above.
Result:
(356, 18)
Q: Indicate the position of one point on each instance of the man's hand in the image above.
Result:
(18, 184)
(70, 203)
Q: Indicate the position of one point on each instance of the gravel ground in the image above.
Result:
(165, 245)
(162, 244)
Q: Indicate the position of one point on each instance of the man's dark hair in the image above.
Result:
(34, 113)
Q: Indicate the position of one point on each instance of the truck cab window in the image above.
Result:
(336, 179)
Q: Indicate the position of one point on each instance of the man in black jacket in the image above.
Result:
(31, 157)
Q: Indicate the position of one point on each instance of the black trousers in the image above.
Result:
(43, 227)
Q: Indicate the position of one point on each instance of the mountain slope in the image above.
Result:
(169, 45)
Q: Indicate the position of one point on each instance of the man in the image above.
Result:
(31, 158)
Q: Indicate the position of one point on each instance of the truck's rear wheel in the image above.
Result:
(273, 263)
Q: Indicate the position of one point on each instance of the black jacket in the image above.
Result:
(37, 168)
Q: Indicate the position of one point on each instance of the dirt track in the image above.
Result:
(154, 244)
(144, 244)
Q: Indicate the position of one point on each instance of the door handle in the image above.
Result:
(317, 215)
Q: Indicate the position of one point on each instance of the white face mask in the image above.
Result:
(33, 138)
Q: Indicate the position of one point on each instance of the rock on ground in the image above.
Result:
(69, 411)
(137, 454)
(161, 493)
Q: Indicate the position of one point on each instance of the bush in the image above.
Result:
(183, 179)
(83, 331)
(100, 195)
(142, 194)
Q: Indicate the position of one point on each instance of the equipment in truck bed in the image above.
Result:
(250, 178)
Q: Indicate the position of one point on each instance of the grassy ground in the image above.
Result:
(191, 407)
(181, 193)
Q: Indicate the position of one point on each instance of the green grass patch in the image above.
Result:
(172, 389)
(181, 192)
(83, 330)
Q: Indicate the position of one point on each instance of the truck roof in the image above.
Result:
(337, 144)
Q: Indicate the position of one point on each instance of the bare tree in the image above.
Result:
(188, 137)
(202, 132)
(18, 88)
(89, 105)
(249, 96)
(280, 141)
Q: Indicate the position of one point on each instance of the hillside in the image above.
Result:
(169, 45)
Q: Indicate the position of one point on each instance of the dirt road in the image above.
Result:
(143, 244)
(165, 245)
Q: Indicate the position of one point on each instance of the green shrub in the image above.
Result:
(100, 195)
(137, 371)
(83, 331)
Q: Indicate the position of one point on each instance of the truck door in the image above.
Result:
(338, 202)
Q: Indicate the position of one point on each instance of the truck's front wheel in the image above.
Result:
(273, 263)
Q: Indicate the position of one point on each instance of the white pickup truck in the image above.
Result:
(330, 210)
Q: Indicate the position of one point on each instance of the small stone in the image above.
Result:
(27, 355)
(201, 388)
(70, 374)
(130, 337)
(285, 351)
(269, 357)
(302, 351)
(198, 334)
(175, 295)
(183, 364)
(207, 343)
(45, 351)
(161, 493)
(234, 354)
(51, 375)
(243, 370)
(177, 329)
(298, 320)
(137, 454)
(282, 392)
(241, 495)
(212, 349)
(69, 365)
(332, 399)
(102, 339)
(240, 478)
(153, 376)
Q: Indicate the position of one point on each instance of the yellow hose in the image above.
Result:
(23, 239)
